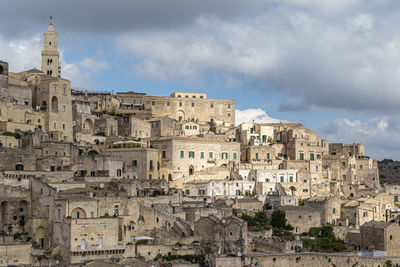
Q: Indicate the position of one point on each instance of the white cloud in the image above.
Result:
(25, 53)
(254, 114)
(21, 54)
(379, 135)
(94, 65)
(347, 63)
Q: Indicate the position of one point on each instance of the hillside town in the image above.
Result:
(130, 179)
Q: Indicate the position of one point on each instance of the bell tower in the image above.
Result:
(50, 54)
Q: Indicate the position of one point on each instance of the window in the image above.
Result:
(202, 155)
(167, 104)
(153, 103)
(134, 163)
(151, 165)
(334, 211)
(291, 179)
(311, 156)
(224, 155)
(187, 127)
(192, 104)
(268, 156)
(212, 105)
(256, 156)
(365, 214)
(316, 168)
(64, 108)
(64, 91)
(55, 125)
(301, 156)
(396, 198)
(63, 126)
(305, 180)
(351, 194)
(187, 192)
(229, 105)
(26, 103)
(191, 154)
(28, 121)
(391, 237)
(116, 210)
(119, 172)
(180, 104)
(318, 156)
(282, 179)
(305, 190)
(164, 154)
(234, 155)
(210, 155)
(182, 154)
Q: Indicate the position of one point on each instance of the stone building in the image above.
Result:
(226, 236)
(184, 156)
(140, 162)
(130, 126)
(381, 236)
(302, 218)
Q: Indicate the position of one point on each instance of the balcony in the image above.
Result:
(95, 249)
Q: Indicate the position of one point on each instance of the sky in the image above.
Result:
(333, 66)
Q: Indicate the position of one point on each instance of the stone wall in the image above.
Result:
(321, 259)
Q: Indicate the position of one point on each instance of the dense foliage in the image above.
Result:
(278, 224)
(324, 241)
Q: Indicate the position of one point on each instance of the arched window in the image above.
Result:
(54, 104)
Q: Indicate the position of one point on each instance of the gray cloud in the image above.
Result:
(379, 135)
(349, 61)
(116, 16)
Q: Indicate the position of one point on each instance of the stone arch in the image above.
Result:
(40, 237)
(78, 213)
(54, 104)
(93, 152)
(87, 126)
(180, 115)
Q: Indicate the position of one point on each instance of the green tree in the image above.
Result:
(278, 219)
(327, 231)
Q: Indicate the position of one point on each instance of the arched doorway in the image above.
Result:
(54, 104)
(293, 190)
(78, 213)
(191, 170)
(40, 237)
(180, 115)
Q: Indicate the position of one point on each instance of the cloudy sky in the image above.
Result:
(332, 65)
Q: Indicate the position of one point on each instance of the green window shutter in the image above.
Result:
(182, 154)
